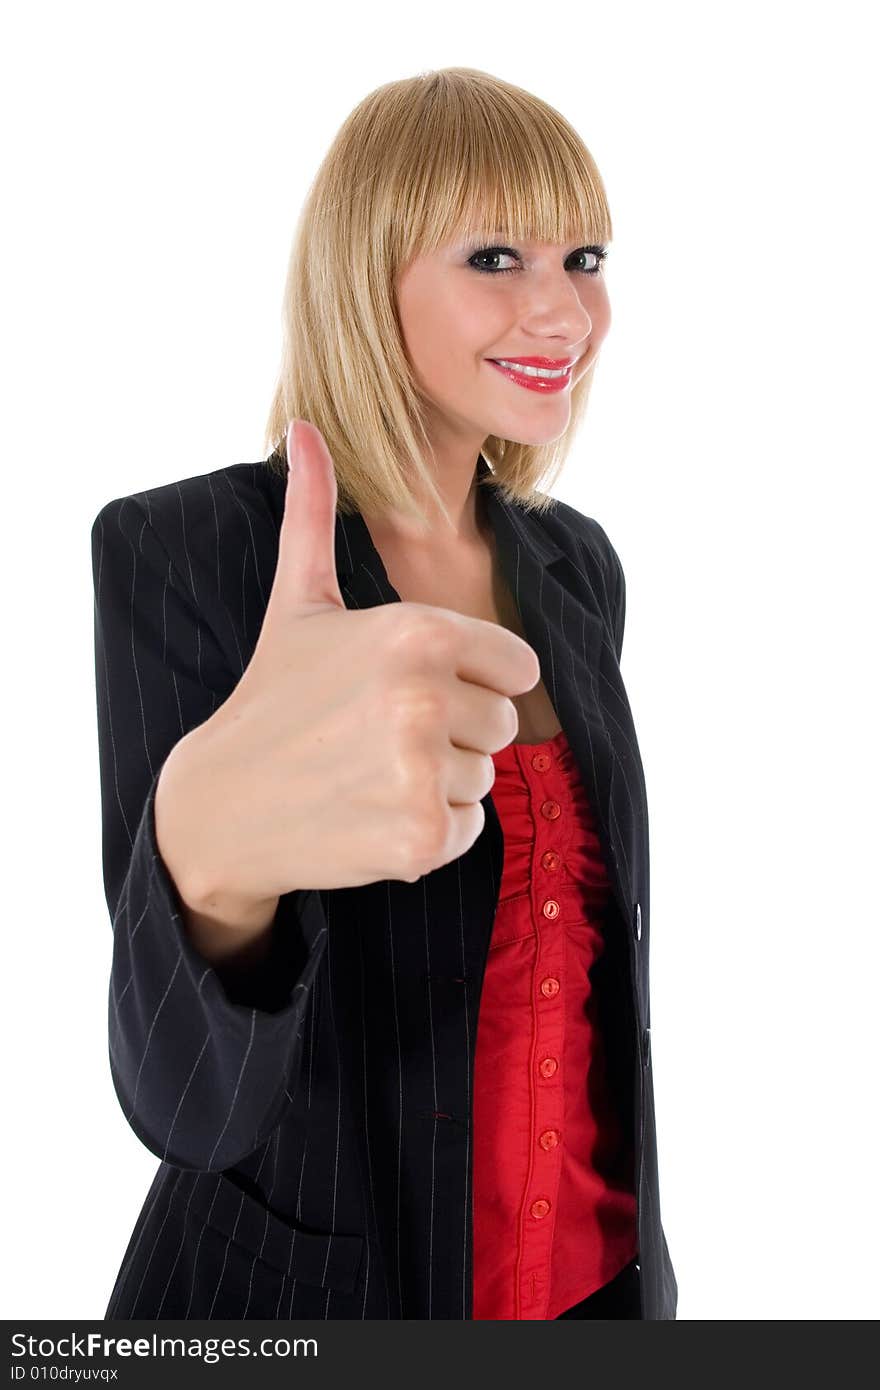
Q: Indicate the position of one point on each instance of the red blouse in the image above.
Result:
(554, 1210)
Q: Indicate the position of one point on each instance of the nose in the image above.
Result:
(557, 311)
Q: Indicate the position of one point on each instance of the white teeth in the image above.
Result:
(531, 371)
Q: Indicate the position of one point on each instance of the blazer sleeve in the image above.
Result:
(203, 1065)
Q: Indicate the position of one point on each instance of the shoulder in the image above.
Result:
(588, 546)
(212, 536)
(210, 528)
(195, 510)
(575, 530)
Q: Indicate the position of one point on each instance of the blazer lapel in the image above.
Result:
(562, 621)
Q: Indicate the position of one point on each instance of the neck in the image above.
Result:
(464, 502)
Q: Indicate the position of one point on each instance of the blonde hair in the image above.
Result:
(416, 163)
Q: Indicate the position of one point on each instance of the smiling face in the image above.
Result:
(473, 301)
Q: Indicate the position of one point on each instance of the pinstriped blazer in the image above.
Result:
(313, 1119)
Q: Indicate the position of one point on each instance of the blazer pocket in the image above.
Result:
(327, 1259)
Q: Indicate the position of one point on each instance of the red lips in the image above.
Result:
(542, 384)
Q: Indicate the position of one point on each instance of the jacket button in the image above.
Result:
(646, 1047)
(548, 1066)
(540, 1208)
(549, 1139)
(637, 922)
(550, 986)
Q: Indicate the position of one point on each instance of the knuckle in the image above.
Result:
(416, 705)
(415, 781)
(426, 819)
(419, 629)
(426, 839)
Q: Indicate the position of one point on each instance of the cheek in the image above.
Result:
(450, 336)
(428, 320)
(598, 306)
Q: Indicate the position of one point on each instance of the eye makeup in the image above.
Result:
(597, 252)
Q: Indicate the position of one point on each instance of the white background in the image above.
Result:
(155, 159)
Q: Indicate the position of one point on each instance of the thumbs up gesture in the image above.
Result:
(357, 745)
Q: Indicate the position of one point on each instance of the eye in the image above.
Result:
(598, 254)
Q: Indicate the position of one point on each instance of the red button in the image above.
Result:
(540, 1208)
(549, 1139)
(547, 1066)
(550, 986)
(550, 810)
(540, 761)
(550, 860)
(551, 909)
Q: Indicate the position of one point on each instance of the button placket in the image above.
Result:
(549, 1019)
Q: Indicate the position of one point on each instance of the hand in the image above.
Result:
(357, 745)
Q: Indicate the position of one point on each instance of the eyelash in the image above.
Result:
(598, 251)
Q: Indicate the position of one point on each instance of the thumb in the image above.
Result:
(306, 570)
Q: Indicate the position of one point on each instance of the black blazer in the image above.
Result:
(313, 1120)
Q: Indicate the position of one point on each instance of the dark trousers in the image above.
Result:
(617, 1299)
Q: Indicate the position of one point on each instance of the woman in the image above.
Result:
(369, 776)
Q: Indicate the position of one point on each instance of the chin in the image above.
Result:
(535, 439)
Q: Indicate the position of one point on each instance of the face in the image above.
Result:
(470, 302)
